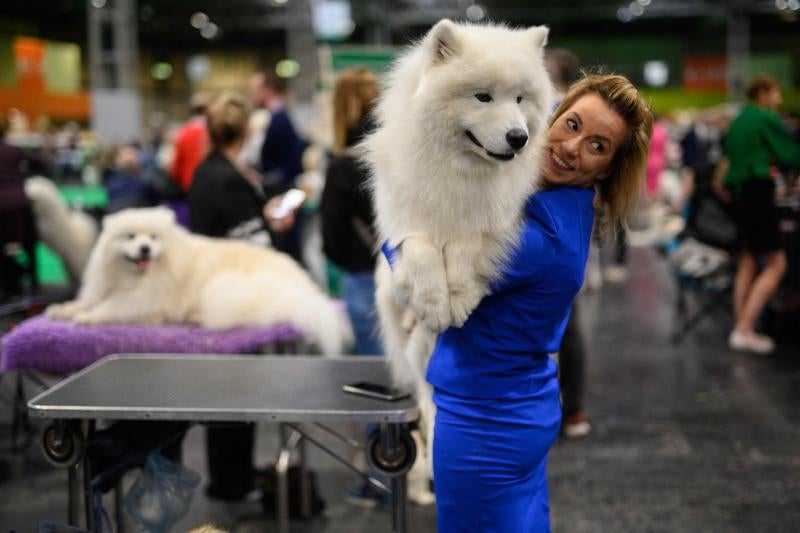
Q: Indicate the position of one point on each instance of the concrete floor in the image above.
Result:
(687, 437)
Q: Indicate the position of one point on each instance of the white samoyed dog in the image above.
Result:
(70, 234)
(456, 153)
(147, 269)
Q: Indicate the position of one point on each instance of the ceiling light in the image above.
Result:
(475, 12)
(624, 14)
(287, 68)
(636, 9)
(210, 31)
(199, 20)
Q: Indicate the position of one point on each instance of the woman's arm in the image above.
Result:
(780, 144)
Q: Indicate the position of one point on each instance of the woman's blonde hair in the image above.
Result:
(227, 119)
(354, 95)
(617, 194)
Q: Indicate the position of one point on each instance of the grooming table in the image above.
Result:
(289, 390)
(58, 347)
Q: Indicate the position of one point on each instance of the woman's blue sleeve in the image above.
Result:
(534, 251)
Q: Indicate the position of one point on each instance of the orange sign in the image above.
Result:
(29, 59)
(30, 95)
(704, 73)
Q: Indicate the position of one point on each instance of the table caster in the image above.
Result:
(391, 463)
(63, 444)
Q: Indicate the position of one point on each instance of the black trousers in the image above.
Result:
(229, 450)
(572, 365)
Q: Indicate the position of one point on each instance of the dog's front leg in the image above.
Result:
(419, 281)
(466, 286)
(66, 310)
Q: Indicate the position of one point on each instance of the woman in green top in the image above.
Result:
(756, 141)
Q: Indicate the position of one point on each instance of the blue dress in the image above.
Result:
(495, 386)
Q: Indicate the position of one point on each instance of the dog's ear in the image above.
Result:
(443, 41)
(537, 35)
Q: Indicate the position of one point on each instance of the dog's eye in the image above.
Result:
(484, 97)
(519, 99)
(153, 236)
(131, 236)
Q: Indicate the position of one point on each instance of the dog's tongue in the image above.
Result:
(143, 263)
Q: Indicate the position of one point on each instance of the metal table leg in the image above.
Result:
(72, 495)
(305, 481)
(282, 476)
(88, 497)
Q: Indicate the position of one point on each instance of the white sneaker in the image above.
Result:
(750, 342)
(616, 274)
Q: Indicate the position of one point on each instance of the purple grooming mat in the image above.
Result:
(58, 347)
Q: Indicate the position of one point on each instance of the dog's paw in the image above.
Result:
(408, 320)
(431, 307)
(463, 301)
(87, 317)
(63, 311)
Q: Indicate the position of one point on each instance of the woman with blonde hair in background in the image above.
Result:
(347, 223)
(347, 216)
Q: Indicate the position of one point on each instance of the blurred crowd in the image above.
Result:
(720, 195)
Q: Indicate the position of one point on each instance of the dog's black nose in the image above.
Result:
(144, 250)
(516, 138)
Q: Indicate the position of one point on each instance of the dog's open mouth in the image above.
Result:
(141, 262)
(502, 157)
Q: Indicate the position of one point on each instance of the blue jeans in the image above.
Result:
(358, 290)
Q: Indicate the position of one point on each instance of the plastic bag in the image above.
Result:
(161, 494)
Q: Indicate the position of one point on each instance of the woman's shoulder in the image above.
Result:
(549, 204)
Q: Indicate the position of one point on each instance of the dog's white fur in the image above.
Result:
(452, 207)
(70, 234)
(186, 278)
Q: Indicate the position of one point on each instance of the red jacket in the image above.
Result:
(191, 145)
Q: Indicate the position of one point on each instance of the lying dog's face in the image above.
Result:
(137, 236)
(139, 248)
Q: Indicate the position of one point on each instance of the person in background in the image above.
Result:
(126, 183)
(563, 67)
(281, 152)
(17, 224)
(755, 141)
(656, 160)
(191, 143)
(347, 215)
(495, 386)
(223, 203)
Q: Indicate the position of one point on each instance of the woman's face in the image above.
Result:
(582, 142)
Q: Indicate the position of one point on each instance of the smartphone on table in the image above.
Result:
(374, 390)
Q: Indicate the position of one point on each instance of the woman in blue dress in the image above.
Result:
(495, 386)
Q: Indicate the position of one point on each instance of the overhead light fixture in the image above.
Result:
(199, 20)
(476, 12)
(99, 4)
(287, 68)
(161, 71)
(210, 30)
(624, 14)
(656, 73)
(636, 9)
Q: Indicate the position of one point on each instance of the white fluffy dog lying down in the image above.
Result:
(147, 269)
(70, 234)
